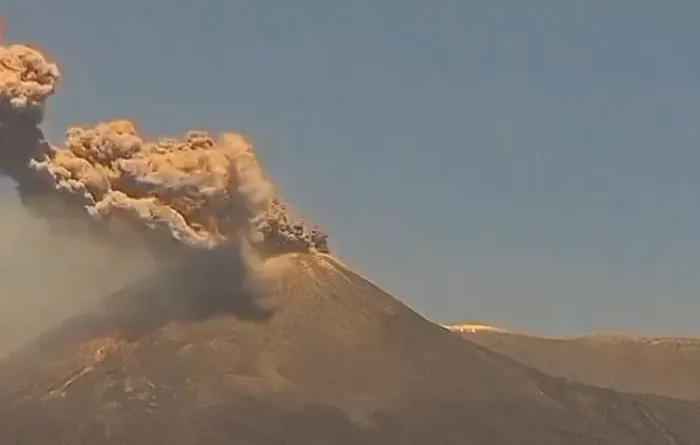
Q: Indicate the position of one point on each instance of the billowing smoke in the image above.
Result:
(109, 208)
(202, 191)
(205, 192)
(26, 82)
(46, 277)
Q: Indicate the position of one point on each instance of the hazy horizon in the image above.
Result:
(533, 166)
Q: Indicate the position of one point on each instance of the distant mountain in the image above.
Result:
(654, 365)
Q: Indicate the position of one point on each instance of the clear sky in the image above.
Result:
(529, 163)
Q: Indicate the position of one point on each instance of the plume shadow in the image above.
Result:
(21, 140)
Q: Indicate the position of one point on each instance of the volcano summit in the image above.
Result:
(251, 332)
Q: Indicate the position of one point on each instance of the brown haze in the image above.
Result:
(243, 328)
(47, 277)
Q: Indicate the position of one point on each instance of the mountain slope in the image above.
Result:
(317, 355)
(663, 366)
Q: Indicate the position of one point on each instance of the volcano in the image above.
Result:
(250, 331)
(313, 354)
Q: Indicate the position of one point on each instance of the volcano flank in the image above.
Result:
(316, 355)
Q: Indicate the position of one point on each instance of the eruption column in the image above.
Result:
(201, 191)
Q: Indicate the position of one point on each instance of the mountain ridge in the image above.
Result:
(665, 366)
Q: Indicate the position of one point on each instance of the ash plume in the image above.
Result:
(205, 192)
(40, 288)
(201, 191)
(27, 80)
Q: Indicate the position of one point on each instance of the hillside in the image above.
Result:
(318, 355)
(662, 366)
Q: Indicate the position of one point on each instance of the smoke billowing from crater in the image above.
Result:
(204, 192)
(108, 209)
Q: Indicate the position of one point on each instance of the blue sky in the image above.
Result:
(529, 163)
